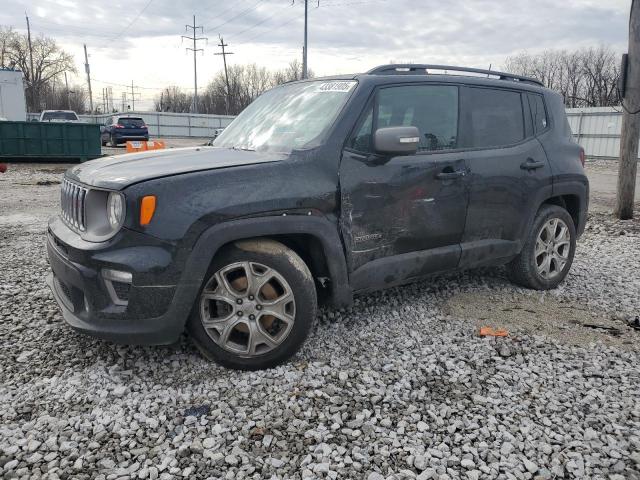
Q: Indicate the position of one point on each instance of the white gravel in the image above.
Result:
(394, 387)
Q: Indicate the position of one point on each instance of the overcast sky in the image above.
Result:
(140, 40)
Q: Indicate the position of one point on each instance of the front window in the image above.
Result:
(288, 117)
(433, 109)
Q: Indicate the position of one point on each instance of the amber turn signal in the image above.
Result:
(147, 209)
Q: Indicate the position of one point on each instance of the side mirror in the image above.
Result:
(396, 140)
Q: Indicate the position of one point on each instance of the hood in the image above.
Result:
(119, 171)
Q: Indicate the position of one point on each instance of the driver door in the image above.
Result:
(403, 217)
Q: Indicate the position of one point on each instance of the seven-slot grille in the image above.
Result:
(72, 200)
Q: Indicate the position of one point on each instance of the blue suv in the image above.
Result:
(120, 129)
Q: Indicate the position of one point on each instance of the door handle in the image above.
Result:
(451, 175)
(531, 164)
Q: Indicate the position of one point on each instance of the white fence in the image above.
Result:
(166, 124)
(597, 129)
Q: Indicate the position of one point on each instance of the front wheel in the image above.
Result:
(256, 307)
(547, 254)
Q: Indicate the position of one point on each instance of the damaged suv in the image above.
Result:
(319, 190)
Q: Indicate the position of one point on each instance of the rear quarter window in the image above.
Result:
(538, 113)
(492, 118)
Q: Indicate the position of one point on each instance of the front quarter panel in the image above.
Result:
(189, 203)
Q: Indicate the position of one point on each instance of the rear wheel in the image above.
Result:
(114, 142)
(256, 307)
(547, 254)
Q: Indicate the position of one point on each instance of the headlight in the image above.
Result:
(115, 210)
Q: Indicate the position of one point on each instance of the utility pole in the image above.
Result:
(34, 95)
(195, 50)
(86, 69)
(305, 48)
(226, 72)
(133, 96)
(630, 92)
(66, 85)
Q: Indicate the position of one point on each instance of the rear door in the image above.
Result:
(402, 217)
(508, 173)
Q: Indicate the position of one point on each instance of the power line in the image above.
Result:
(140, 87)
(257, 24)
(240, 14)
(195, 51)
(132, 21)
(220, 14)
(291, 20)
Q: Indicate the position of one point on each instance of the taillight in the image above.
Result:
(582, 157)
(117, 125)
(143, 126)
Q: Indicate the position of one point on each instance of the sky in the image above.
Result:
(140, 40)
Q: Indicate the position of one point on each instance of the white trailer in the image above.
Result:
(13, 105)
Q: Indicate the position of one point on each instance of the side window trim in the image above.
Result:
(529, 128)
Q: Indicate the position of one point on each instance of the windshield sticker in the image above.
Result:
(335, 87)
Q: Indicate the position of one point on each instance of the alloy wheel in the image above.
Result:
(247, 308)
(553, 245)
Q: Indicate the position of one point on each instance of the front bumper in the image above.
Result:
(151, 315)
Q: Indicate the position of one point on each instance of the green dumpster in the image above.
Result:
(49, 140)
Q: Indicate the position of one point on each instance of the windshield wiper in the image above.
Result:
(235, 147)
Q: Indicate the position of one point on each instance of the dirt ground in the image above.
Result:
(543, 315)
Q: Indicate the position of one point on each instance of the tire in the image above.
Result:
(113, 141)
(528, 268)
(245, 336)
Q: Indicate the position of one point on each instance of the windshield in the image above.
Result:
(59, 116)
(287, 117)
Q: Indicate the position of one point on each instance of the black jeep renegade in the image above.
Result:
(319, 190)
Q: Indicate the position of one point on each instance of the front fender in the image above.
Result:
(213, 238)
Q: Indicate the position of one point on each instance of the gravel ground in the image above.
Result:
(399, 386)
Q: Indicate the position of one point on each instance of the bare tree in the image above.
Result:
(54, 96)
(246, 83)
(49, 61)
(173, 99)
(585, 77)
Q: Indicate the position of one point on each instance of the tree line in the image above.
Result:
(45, 85)
(586, 77)
(228, 96)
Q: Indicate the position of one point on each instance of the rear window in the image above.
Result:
(494, 118)
(131, 122)
(48, 116)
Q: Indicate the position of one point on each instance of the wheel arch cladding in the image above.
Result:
(570, 202)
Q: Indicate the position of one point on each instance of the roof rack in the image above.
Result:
(417, 68)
